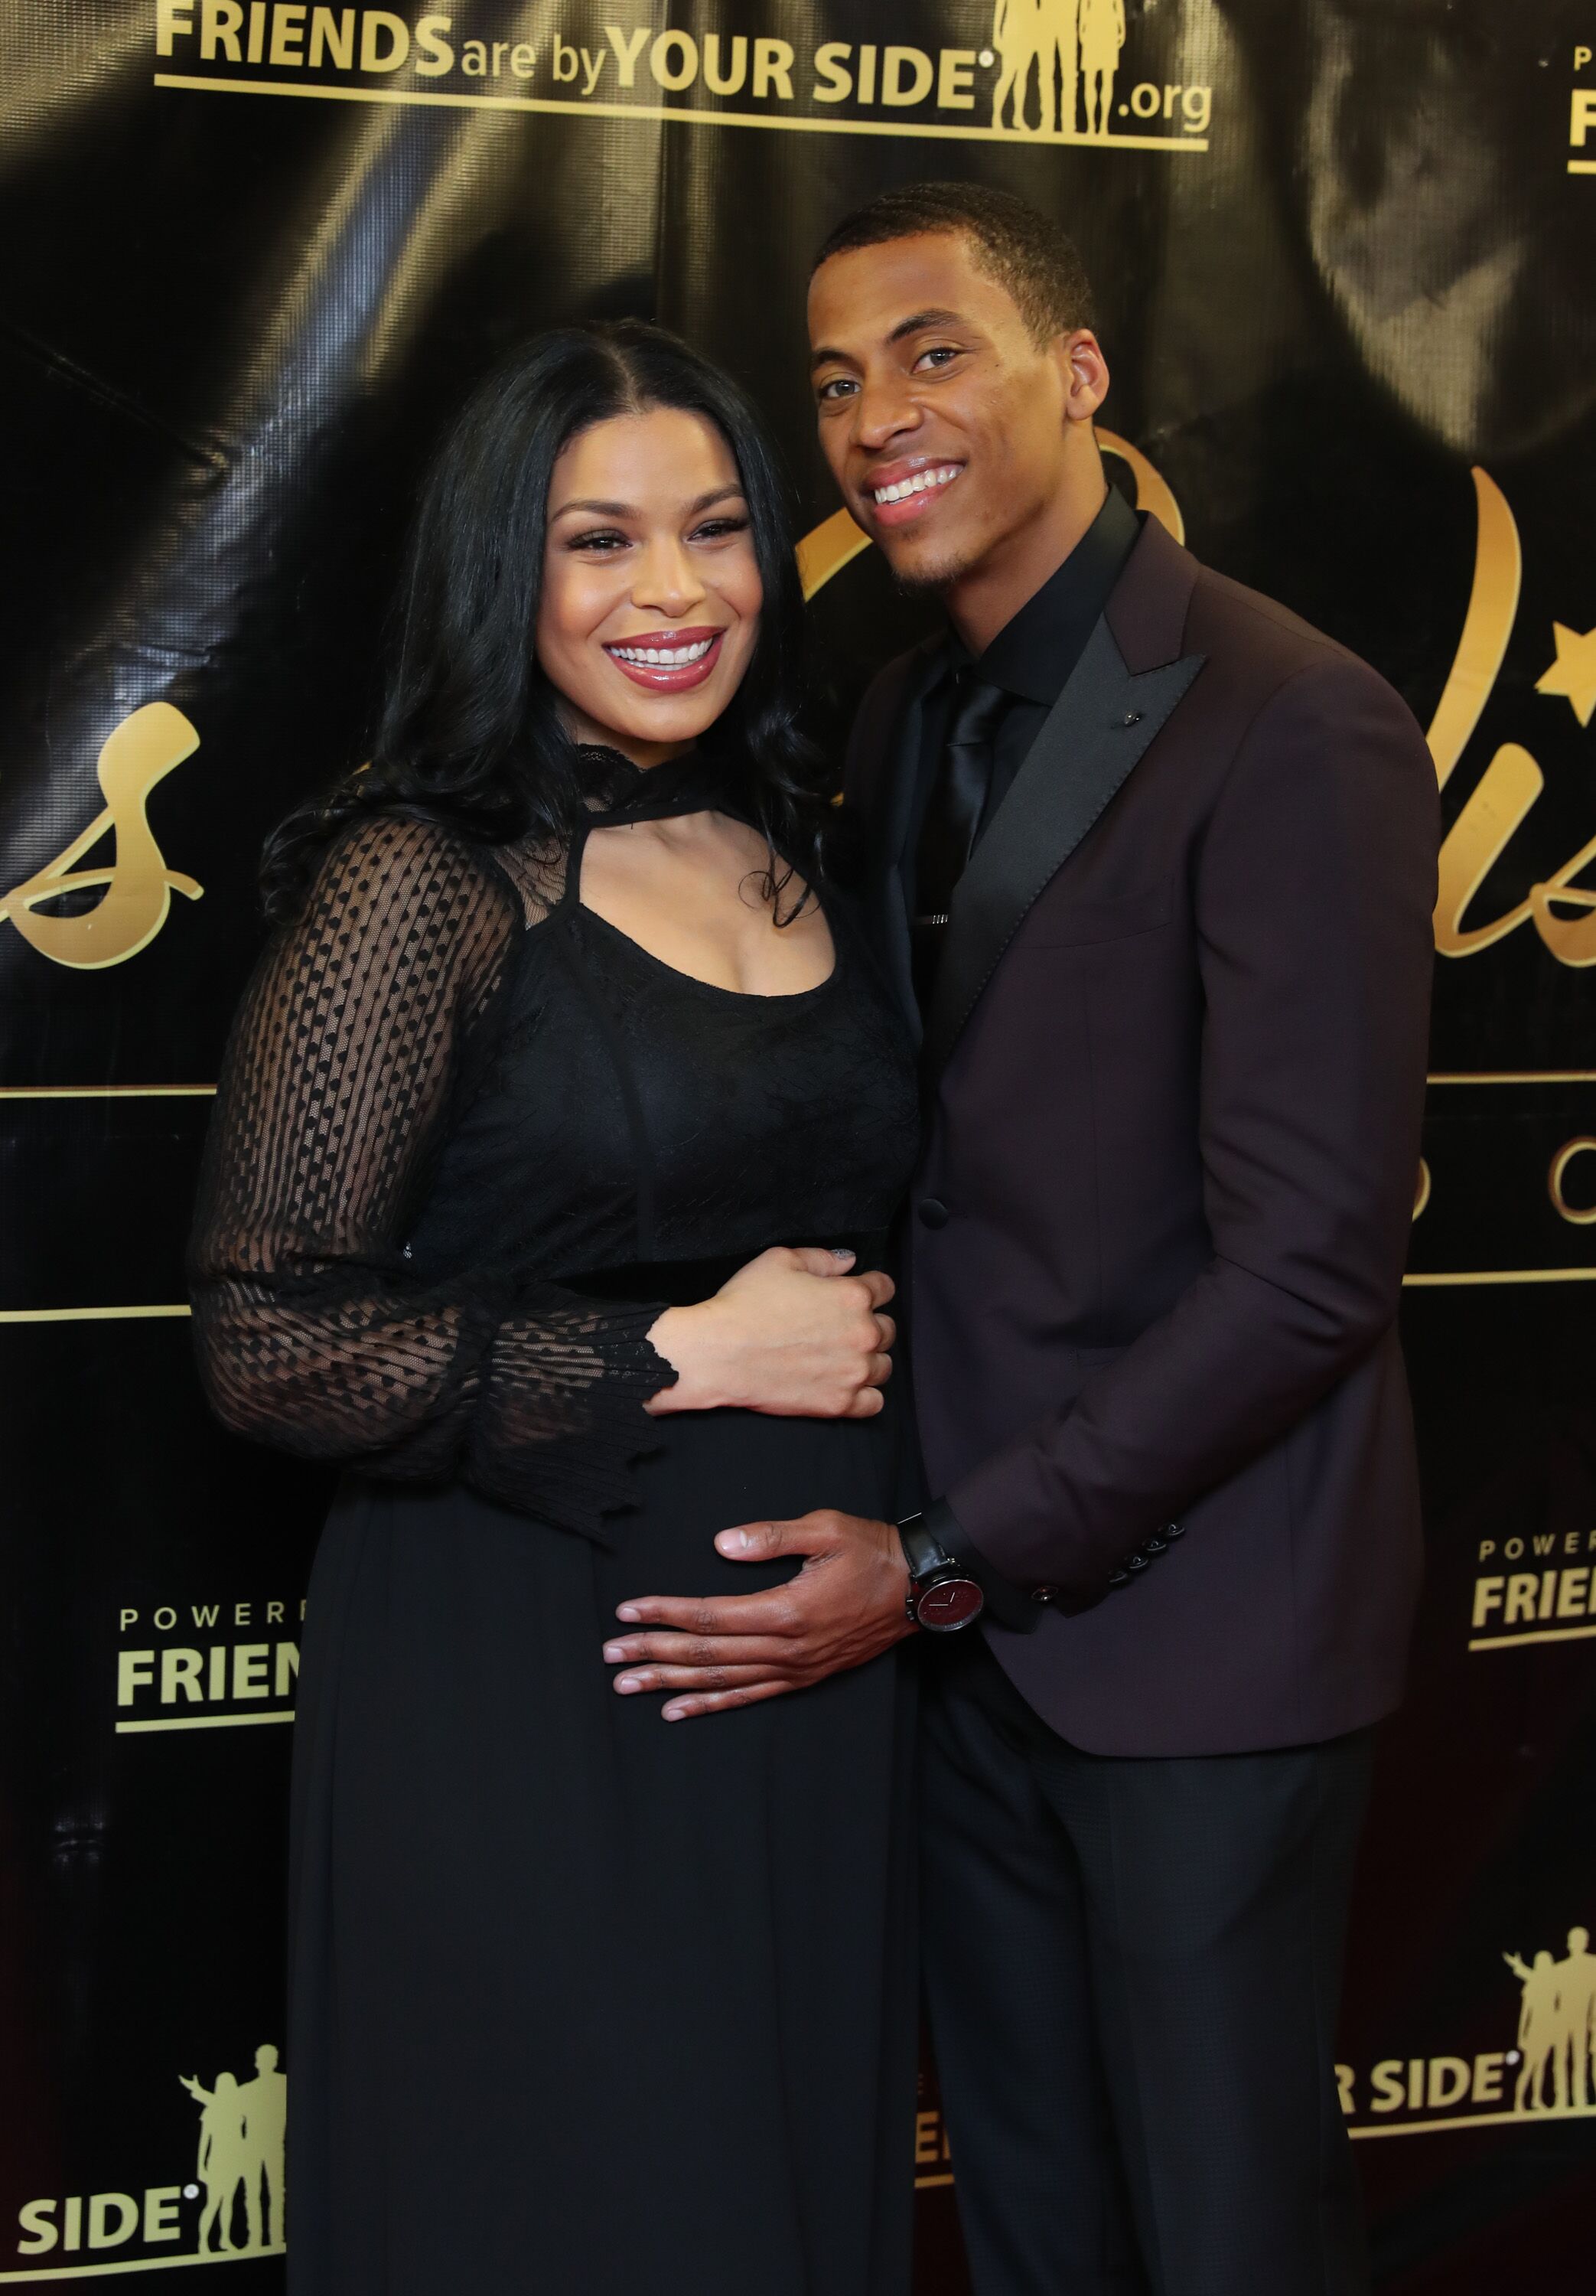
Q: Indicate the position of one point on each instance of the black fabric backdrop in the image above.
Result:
(1342, 248)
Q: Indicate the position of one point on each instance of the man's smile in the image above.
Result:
(899, 493)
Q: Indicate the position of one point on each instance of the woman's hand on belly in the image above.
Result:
(795, 1332)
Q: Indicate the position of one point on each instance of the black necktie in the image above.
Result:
(953, 820)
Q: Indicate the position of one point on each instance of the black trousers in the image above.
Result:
(1133, 1969)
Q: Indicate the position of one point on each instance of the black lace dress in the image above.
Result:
(582, 2001)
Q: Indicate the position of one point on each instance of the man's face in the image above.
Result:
(943, 421)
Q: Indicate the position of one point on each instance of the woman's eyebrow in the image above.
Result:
(627, 510)
(602, 509)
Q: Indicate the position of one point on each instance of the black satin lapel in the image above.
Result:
(1094, 737)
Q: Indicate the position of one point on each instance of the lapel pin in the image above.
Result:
(1132, 717)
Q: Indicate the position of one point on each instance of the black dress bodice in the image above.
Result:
(462, 1123)
(636, 1115)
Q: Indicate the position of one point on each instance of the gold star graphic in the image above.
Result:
(1574, 672)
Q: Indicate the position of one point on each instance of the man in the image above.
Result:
(1155, 864)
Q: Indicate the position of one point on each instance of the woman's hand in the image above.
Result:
(795, 1332)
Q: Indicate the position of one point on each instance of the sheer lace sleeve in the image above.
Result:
(332, 1106)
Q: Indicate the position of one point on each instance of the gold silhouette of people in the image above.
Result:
(1016, 34)
(243, 2137)
(1557, 2028)
(1102, 37)
(1043, 32)
(223, 2147)
(265, 2101)
(1580, 1984)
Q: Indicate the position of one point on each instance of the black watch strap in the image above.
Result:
(923, 1551)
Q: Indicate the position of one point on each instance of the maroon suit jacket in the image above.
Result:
(1175, 1074)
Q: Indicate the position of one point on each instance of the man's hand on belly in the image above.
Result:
(847, 1605)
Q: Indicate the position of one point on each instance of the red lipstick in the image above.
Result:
(666, 661)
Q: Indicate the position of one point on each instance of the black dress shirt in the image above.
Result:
(1030, 658)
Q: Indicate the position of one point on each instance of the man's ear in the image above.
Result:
(1084, 373)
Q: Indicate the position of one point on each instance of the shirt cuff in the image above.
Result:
(1007, 1604)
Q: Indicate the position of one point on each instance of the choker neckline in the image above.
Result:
(618, 791)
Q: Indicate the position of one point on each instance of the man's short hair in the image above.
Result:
(1023, 249)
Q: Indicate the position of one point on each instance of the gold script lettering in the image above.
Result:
(1501, 799)
(1572, 940)
(138, 885)
(1496, 808)
(1487, 626)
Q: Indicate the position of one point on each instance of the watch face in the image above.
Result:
(951, 1602)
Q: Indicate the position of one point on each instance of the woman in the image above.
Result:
(552, 1125)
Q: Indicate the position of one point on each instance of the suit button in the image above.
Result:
(933, 1212)
(1045, 1594)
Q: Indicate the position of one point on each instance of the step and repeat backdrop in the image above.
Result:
(257, 252)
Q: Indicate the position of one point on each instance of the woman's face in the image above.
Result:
(650, 593)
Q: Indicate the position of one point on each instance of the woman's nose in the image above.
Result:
(666, 580)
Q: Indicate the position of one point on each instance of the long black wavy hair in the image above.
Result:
(470, 734)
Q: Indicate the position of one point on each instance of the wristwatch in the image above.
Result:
(942, 1595)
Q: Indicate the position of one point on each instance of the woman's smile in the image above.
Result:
(668, 661)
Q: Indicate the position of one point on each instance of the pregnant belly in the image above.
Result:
(717, 1468)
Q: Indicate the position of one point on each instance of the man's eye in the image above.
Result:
(940, 354)
(838, 386)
